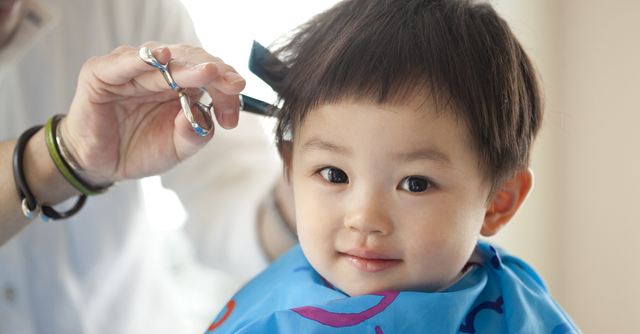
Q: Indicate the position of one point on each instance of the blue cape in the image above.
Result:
(500, 294)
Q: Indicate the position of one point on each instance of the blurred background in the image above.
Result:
(580, 227)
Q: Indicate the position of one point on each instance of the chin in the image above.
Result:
(366, 290)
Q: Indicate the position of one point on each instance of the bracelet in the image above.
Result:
(273, 209)
(64, 152)
(31, 207)
(53, 138)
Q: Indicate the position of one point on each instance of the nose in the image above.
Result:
(369, 215)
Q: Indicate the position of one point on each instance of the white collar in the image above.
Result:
(40, 18)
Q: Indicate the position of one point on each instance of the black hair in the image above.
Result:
(381, 51)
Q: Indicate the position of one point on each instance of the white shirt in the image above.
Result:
(109, 269)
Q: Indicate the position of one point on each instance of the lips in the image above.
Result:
(369, 261)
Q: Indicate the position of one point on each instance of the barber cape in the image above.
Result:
(499, 294)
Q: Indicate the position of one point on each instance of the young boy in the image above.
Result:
(405, 129)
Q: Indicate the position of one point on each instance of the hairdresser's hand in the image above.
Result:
(125, 122)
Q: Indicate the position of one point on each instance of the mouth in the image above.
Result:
(369, 261)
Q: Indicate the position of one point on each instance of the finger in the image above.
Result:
(124, 64)
(223, 89)
(184, 74)
(227, 79)
(187, 142)
(225, 102)
(221, 80)
(190, 75)
(211, 75)
(226, 108)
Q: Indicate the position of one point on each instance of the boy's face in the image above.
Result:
(387, 198)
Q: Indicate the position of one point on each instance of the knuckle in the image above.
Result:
(197, 54)
(121, 50)
(151, 44)
(91, 62)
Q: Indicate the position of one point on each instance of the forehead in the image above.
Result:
(416, 112)
(412, 130)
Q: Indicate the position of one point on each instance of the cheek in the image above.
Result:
(316, 235)
(311, 214)
(443, 233)
(462, 215)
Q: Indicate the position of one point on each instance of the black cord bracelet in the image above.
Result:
(29, 203)
(18, 177)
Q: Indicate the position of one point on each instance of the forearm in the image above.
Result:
(43, 179)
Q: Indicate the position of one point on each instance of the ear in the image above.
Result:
(506, 202)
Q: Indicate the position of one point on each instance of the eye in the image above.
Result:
(415, 184)
(334, 175)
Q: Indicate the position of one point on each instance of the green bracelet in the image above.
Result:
(62, 165)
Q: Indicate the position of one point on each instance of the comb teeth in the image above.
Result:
(262, 58)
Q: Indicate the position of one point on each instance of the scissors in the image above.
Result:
(247, 103)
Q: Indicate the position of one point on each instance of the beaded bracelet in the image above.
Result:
(30, 207)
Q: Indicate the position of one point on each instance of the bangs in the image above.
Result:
(461, 53)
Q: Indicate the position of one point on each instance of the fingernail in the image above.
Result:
(226, 114)
(233, 77)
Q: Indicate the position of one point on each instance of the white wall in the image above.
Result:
(601, 162)
(581, 225)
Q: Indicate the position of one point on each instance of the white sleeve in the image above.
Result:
(140, 21)
(221, 188)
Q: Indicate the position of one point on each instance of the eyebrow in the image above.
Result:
(425, 154)
(419, 154)
(319, 144)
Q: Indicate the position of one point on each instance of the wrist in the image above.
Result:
(71, 157)
(42, 177)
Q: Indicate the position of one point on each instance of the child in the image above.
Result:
(405, 129)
